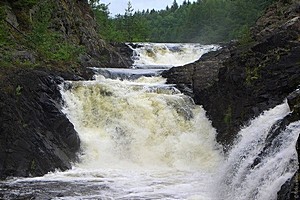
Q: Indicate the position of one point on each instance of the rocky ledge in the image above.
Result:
(36, 137)
(238, 82)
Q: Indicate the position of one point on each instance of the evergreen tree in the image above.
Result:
(129, 21)
(204, 21)
(174, 6)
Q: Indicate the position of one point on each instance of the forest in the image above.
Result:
(203, 21)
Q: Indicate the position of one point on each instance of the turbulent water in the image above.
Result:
(163, 55)
(143, 139)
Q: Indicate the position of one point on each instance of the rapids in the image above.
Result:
(143, 139)
(166, 55)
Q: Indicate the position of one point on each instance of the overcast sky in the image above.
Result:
(119, 6)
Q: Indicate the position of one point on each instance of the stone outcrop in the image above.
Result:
(246, 79)
(36, 137)
(200, 74)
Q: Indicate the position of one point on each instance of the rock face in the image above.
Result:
(244, 80)
(36, 137)
(200, 74)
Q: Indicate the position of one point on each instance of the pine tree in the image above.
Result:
(129, 21)
(174, 6)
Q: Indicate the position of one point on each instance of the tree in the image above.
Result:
(94, 3)
(129, 10)
(129, 21)
(102, 17)
(174, 6)
(204, 21)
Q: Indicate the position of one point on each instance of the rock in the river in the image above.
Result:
(294, 103)
(35, 136)
(200, 74)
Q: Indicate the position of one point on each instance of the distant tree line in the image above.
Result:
(204, 21)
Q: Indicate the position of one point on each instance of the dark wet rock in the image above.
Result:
(124, 50)
(294, 103)
(200, 74)
(35, 136)
(11, 18)
(135, 45)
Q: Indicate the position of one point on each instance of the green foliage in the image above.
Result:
(50, 44)
(24, 3)
(4, 31)
(2, 12)
(228, 116)
(18, 90)
(94, 3)
(123, 28)
(252, 74)
(4, 40)
(205, 21)
(32, 167)
(244, 35)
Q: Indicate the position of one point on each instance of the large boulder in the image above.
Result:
(35, 136)
(200, 74)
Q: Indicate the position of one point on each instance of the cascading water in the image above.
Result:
(143, 139)
(256, 167)
(162, 55)
(139, 124)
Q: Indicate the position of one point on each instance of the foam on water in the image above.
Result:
(244, 178)
(144, 139)
(168, 54)
(140, 139)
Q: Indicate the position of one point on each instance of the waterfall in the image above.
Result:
(143, 125)
(257, 166)
(139, 123)
(162, 55)
(144, 139)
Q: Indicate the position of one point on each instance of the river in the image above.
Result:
(143, 139)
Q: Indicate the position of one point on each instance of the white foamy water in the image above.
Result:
(166, 55)
(164, 149)
(241, 177)
(143, 139)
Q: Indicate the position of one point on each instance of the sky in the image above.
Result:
(119, 6)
